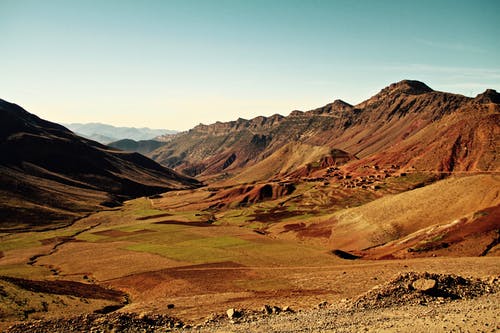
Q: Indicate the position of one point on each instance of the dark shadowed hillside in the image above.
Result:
(141, 146)
(50, 175)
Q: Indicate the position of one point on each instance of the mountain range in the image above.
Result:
(406, 124)
(49, 173)
(105, 134)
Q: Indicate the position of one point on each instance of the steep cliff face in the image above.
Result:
(406, 123)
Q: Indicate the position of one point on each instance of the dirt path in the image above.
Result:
(33, 260)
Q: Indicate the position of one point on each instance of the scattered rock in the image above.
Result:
(267, 309)
(423, 288)
(114, 322)
(170, 306)
(322, 305)
(435, 291)
(233, 313)
(140, 316)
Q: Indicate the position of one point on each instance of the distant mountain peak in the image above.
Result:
(489, 96)
(340, 103)
(409, 87)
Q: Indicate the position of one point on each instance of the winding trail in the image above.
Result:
(33, 260)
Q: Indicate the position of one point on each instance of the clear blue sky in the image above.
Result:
(174, 64)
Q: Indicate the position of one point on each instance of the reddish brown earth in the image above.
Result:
(474, 237)
(275, 214)
(198, 291)
(203, 278)
(246, 195)
(309, 231)
(336, 158)
(407, 124)
(61, 287)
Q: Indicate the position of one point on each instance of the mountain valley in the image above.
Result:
(310, 210)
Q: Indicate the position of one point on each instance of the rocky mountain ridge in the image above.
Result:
(379, 128)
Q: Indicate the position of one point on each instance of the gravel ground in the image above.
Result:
(411, 302)
(477, 315)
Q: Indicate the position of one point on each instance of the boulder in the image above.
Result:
(233, 313)
(276, 309)
(424, 284)
(267, 309)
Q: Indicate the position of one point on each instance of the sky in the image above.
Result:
(175, 64)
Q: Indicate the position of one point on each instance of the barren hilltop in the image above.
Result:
(378, 216)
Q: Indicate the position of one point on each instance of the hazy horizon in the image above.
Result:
(175, 64)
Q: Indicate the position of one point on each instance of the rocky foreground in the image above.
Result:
(411, 302)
